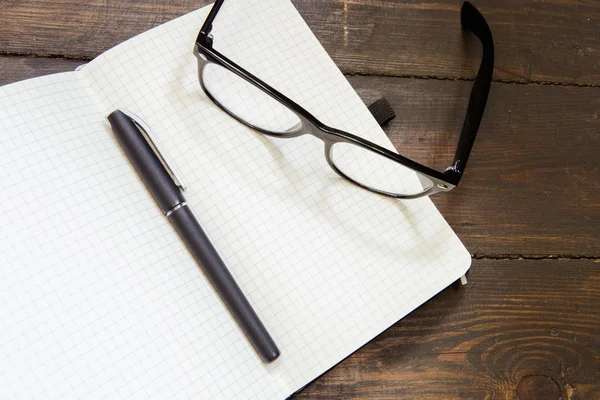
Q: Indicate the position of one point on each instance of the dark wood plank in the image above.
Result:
(520, 329)
(540, 41)
(14, 69)
(531, 186)
(81, 28)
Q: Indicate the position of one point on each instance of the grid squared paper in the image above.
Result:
(98, 296)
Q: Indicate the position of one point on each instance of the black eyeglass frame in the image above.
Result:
(471, 19)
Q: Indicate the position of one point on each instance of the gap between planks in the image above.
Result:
(561, 257)
(402, 76)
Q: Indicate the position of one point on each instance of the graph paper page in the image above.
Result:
(98, 297)
(328, 266)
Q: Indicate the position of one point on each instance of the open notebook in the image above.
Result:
(99, 297)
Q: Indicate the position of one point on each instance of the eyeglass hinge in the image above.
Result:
(454, 167)
(205, 38)
(453, 173)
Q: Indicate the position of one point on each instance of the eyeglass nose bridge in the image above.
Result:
(308, 127)
(311, 126)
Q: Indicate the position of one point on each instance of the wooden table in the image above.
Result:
(527, 326)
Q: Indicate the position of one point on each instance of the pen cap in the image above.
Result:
(145, 161)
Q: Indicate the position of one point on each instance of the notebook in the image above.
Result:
(99, 297)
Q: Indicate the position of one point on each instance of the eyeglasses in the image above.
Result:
(368, 165)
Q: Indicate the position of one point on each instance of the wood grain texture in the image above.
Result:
(531, 185)
(539, 41)
(521, 329)
(536, 41)
(81, 28)
(14, 69)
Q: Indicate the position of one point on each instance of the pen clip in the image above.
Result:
(149, 135)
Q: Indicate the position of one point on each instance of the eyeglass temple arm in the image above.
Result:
(204, 35)
(472, 20)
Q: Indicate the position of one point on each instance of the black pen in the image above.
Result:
(163, 185)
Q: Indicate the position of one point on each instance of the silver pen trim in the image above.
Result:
(177, 207)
